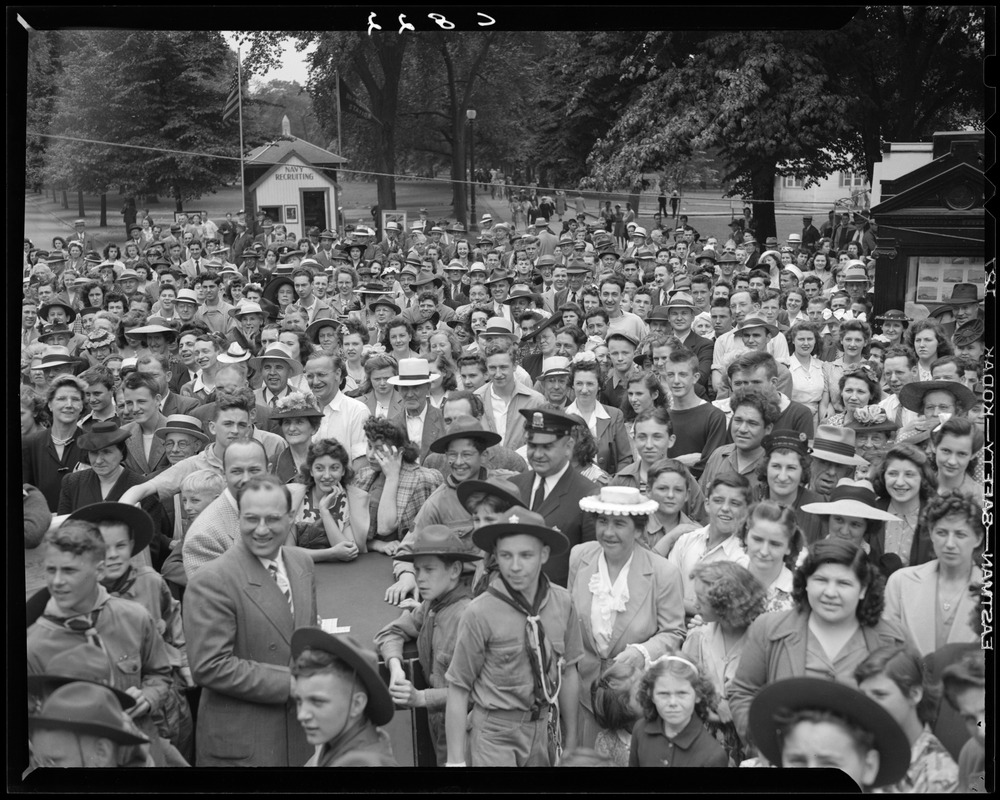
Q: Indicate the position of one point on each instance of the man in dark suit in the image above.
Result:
(159, 367)
(454, 292)
(239, 614)
(680, 313)
(422, 422)
(554, 487)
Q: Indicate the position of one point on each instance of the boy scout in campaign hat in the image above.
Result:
(515, 654)
(438, 555)
(341, 698)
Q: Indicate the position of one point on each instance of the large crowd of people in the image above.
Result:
(651, 497)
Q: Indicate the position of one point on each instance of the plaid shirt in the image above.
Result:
(415, 485)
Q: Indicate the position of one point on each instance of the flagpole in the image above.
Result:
(239, 87)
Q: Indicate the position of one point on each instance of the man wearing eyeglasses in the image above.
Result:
(239, 614)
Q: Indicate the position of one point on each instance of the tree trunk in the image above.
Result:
(55, 196)
(65, 199)
(104, 210)
(762, 183)
(79, 202)
(459, 187)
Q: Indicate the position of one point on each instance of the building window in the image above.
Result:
(791, 182)
(852, 180)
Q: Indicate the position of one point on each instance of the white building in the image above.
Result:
(295, 182)
(841, 190)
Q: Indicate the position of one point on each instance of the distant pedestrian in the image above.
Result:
(675, 203)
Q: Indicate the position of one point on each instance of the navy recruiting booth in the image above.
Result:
(931, 227)
(295, 182)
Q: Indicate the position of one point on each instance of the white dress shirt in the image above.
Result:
(415, 425)
(344, 420)
(282, 579)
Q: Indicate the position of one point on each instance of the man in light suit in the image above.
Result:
(504, 395)
(239, 615)
(422, 422)
(554, 487)
(142, 401)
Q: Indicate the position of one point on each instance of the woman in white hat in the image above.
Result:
(629, 600)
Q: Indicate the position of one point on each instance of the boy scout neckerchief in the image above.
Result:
(425, 637)
(124, 582)
(538, 653)
(482, 476)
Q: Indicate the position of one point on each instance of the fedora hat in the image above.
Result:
(49, 332)
(296, 405)
(56, 360)
(962, 294)
(364, 662)
(43, 312)
(756, 321)
(793, 694)
(498, 275)
(496, 487)
(384, 300)
(186, 296)
(707, 254)
(439, 540)
(85, 707)
(911, 396)
(522, 293)
(856, 274)
(465, 427)
(498, 326)
(519, 521)
(456, 266)
(413, 372)
(682, 300)
(553, 366)
(245, 308)
(235, 354)
(85, 662)
(852, 498)
(276, 351)
(140, 524)
(836, 444)
(619, 501)
(552, 321)
(182, 423)
(428, 278)
(105, 433)
(659, 314)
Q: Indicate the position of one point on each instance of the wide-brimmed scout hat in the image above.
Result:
(793, 694)
(85, 707)
(519, 521)
(439, 540)
(465, 427)
(364, 662)
(140, 524)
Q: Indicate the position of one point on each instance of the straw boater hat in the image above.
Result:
(85, 662)
(413, 372)
(851, 498)
(363, 661)
(681, 300)
(911, 396)
(438, 540)
(465, 427)
(139, 523)
(619, 501)
(84, 707)
(553, 366)
(836, 444)
(153, 325)
(519, 521)
(793, 694)
(276, 351)
(498, 326)
(182, 423)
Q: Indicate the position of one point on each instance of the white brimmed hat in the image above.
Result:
(413, 372)
(852, 498)
(619, 501)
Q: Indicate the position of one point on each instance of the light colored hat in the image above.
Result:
(836, 444)
(235, 354)
(245, 308)
(182, 423)
(852, 498)
(498, 326)
(276, 351)
(619, 501)
(553, 366)
(413, 372)
(186, 296)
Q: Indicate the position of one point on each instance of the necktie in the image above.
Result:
(274, 400)
(539, 496)
(282, 584)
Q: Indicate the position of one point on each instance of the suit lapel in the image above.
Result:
(919, 600)
(264, 593)
(301, 594)
(583, 598)
(135, 448)
(603, 424)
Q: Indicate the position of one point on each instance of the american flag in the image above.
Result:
(233, 100)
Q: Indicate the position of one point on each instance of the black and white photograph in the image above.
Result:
(495, 387)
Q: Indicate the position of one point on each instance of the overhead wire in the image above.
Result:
(721, 202)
